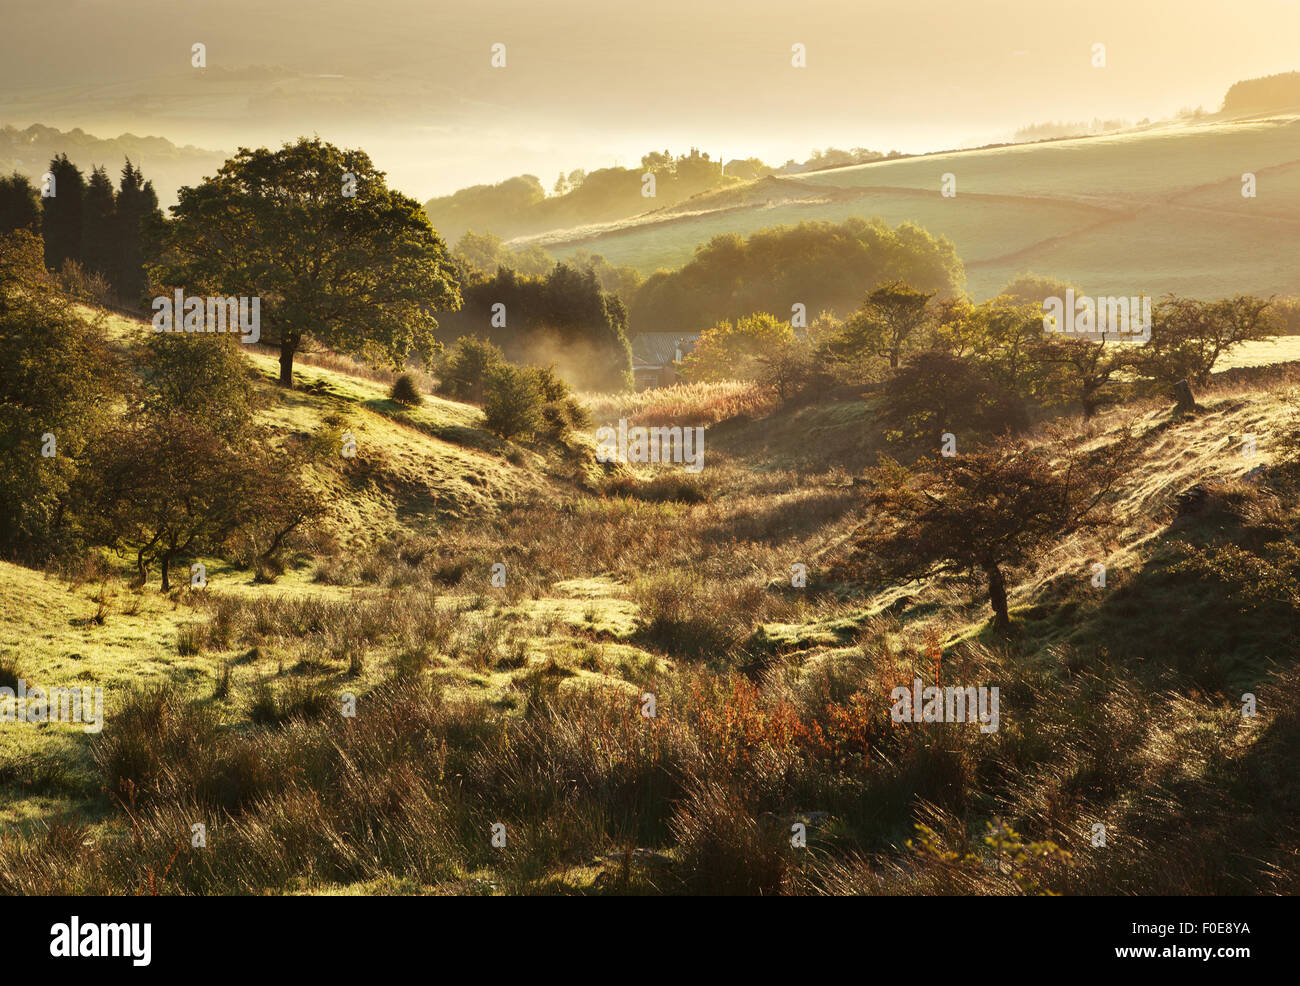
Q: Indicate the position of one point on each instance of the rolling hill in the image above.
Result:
(1154, 210)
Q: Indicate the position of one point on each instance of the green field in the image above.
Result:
(1153, 211)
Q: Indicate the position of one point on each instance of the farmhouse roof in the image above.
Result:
(653, 349)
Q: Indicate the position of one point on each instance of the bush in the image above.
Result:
(466, 368)
(937, 392)
(513, 401)
(405, 392)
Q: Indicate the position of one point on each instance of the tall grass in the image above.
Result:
(683, 404)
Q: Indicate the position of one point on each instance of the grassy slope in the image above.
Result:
(419, 468)
(1149, 211)
(585, 628)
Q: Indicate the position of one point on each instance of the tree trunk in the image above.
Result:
(166, 571)
(998, 597)
(1090, 398)
(288, 343)
(280, 535)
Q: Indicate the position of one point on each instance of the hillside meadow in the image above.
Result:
(521, 701)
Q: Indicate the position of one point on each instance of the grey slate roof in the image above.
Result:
(655, 349)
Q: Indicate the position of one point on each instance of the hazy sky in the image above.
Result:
(589, 84)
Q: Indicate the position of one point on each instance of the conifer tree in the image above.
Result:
(99, 244)
(61, 214)
(20, 205)
(137, 215)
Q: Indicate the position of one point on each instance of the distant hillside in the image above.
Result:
(165, 164)
(1153, 211)
(520, 206)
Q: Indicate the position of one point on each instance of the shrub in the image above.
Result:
(937, 392)
(513, 401)
(665, 488)
(405, 391)
(466, 367)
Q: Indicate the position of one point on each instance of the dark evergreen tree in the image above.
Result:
(138, 217)
(61, 216)
(20, 205)
(99, 235)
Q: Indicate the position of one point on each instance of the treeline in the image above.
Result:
(482, 255)
(949, 365)
(1270, 92)
(562, 319)
(99, 239)
(1050, 131)
(28, 151)
(823, 266)
(520, 206)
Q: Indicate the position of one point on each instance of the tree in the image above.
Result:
(563, 318)
(1189, 336)
(1005, 333)
(938, 393)
(889, 322)
(360, 273)
(199, 374)
(622, 281)
(978, 514)
(827, 267)
(735, 351)
(166, 485)
(1034, 289)
(786, 367)
(487, 253)
(99, 229)
(139, 224)
(1082, 370)
(62, 224)
(57, 374)
(20, 205)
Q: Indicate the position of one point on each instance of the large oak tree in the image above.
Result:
(332, 252)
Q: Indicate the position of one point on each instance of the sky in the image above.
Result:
(592, 84)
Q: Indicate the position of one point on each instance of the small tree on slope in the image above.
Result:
(981, 513)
